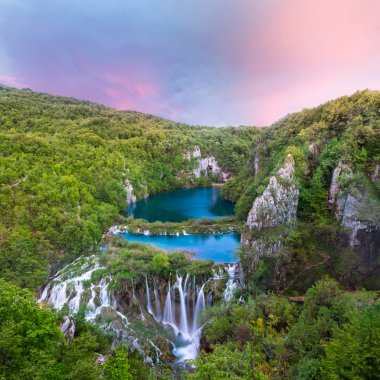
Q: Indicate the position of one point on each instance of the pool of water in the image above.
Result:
(182, 204)
(220, 248)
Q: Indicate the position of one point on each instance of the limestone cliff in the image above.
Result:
(205, 165)
(278, 204)
(359, 215)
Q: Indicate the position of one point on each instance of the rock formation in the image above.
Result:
(206, 165)
(278, 204)
(359, 215)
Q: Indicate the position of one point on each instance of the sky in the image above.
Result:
(202, 62)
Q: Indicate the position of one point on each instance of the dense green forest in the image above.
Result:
(309, 311)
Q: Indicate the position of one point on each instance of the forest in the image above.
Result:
(309, 311)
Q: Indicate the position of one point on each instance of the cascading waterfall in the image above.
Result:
(191, 302)
(184, 329)
(72, 292)
(169, 317)
(148, 303)
(182, 301)
(231, 285)
(157, 301)
(199, 307)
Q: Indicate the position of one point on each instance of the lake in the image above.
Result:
(182, 204)
(220, 247)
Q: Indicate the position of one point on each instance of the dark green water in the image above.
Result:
(182, 204)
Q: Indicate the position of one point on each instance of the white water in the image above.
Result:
(231, 285)
(199, 307)
(184, 301)
(71, 292)
(186, 323)
(157, 301)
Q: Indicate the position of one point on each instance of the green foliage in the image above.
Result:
(354, 351)
(29, 337)
(229, 362)
(117, 366)
(334, 334)
(161, 264)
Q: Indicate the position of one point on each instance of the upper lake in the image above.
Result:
(182, 204)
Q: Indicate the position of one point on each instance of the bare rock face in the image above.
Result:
(68, 327)
(314, 150)
(205, 165)
(341, 171)
(263, 245)
(359, 216)
(278, 204)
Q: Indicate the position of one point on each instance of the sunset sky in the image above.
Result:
(208, 62)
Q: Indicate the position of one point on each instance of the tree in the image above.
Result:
(117, 366)
(30, 338)
(354, 351)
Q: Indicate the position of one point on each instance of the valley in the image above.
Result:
(114, 234)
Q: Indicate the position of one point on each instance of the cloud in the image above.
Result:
(215, 62)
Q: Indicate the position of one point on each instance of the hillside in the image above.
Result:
(302, 303)
(66, 168)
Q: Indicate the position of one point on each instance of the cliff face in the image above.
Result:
(205, 165)
(278, 204)
(269, 220)
(359, 215)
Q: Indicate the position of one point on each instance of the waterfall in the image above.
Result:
(104, 295)
(157, 301)
(183, 314)
(70, 291)
(133, 290)
(168, 309)
(231, 285)
(148, 303)
(199, 307)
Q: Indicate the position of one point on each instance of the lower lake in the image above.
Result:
(220, 248)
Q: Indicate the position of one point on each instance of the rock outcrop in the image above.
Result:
(278, 204)
(359, 215)
(68, 327)
(342, 170)
(206, 165)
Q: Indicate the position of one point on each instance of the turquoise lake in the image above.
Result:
(220, 248)
(182, 204)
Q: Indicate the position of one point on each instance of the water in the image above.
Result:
(182, 204)
(187, 328)
(180, 304)
(220, 248)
